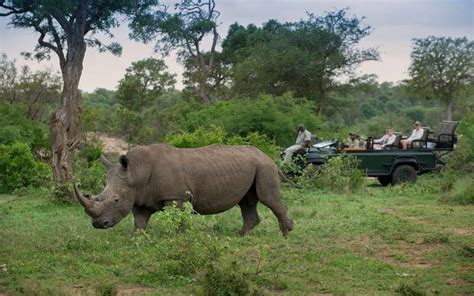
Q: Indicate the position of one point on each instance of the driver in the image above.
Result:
(354, 141)
(303, 139)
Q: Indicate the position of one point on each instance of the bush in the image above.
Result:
(15, 127)
(274, 116)
(197, 138)
(460, 192)
(339, 174)
(18, 168)
(217, 135)
(260, 141)
(228, 280)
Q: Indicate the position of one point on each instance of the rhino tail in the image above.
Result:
(284, 178)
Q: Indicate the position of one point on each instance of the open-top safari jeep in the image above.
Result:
(393, 165)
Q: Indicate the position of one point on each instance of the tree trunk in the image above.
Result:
(202, 93)
(64, 123)
(320, 107)
(449, 111)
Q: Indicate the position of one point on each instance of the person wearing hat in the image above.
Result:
(353, 141)
(416, 134)
(303, 139)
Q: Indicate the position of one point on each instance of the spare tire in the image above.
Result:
(404, 174)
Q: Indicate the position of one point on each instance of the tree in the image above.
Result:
(66, 28)
(441, 67)
(184, 30)
(144, 81)
(216, 81)
(304, 57)
(36, 90)
(8, 76)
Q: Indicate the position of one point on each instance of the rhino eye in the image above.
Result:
(116, 200)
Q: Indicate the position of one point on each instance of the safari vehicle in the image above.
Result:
(393, 165)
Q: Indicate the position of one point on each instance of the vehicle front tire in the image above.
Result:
(404, 174)
(384, 180)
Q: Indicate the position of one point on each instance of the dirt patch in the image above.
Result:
(404, 217)
(134, 291)
(462, 230)
(406, 255)
(121, 290)
(457, 282)
(110, 144)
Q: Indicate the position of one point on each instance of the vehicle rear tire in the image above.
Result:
(384, 180)
(403, 174)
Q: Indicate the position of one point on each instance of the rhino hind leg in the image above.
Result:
(248, 208)
(268, 193)
(141, 215)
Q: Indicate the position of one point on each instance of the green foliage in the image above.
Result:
(303, 57)
(339, 174)
(143, 83)
(18, 168)
(15, 127)
(441, 68)
(226, 280)
(91, 152)
(198, 138)
(409, 290)
(89, 172)
(275, 117)
(460, 191)
(216, 135)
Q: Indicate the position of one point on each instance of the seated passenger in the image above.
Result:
(303, 139)
(353, 141)
(387, 139)
(416, 134)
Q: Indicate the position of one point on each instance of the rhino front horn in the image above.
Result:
(107, 163)
(91, 207)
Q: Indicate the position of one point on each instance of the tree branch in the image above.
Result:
(61, 19)
(57, 40)
(12, 10)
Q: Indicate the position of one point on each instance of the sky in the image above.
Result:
(394, 24)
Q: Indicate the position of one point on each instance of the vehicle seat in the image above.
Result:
(421, 143)
(395, 144)
(445, 136)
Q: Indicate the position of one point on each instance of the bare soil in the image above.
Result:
(110, 144)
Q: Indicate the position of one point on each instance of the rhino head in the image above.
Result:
(115, 201)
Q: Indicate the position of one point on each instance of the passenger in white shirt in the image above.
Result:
(303, 139)
(387, 139)
(415, 135)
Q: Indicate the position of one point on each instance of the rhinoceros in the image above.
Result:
(213, 178)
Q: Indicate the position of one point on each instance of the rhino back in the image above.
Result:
(218, 176)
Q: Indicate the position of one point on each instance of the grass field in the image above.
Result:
(381, 241)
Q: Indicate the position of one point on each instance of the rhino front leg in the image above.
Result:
(141, 216)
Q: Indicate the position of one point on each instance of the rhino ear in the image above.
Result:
(124, 161)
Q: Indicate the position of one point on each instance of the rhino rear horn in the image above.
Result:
(107, 163)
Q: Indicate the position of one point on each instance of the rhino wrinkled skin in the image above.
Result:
(213, 178)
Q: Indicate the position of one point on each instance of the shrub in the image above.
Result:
(225, 280)
(461, 192)
(197, 138)
(217, 135)
(18, 168)
(339, 174)
(91, 152)
(260, 141)
(274, 116)
(15, 127)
